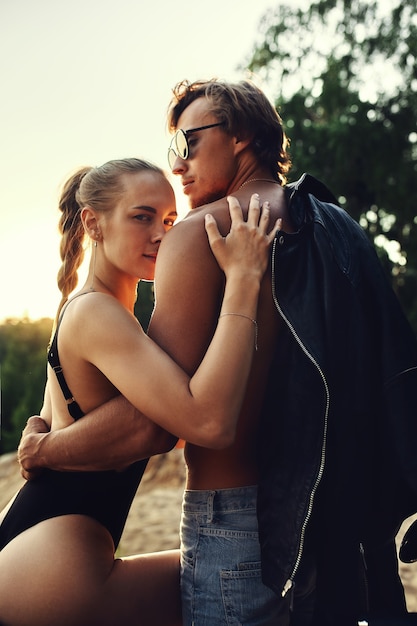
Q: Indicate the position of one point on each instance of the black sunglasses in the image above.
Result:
(179, 145)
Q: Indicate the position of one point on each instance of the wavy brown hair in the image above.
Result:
(246, 112)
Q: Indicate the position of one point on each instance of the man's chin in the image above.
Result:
(196, 202)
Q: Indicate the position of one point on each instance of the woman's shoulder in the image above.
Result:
(94, 311)
(98, 322)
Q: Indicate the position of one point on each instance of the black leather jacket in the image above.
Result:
(338, 440)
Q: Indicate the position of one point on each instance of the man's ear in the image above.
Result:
(241, 143)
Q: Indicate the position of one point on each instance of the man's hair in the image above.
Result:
(245, 112)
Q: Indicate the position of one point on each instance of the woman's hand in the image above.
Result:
(246, 247)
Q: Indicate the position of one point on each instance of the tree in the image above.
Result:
(144, 303)
(23, 347)
(23, 359)
(345, 81)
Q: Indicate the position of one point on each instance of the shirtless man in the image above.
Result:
(221, 157)
(228, 140)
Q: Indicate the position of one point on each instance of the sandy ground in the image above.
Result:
(154, 518)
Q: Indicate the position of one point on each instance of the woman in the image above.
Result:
(58, 538)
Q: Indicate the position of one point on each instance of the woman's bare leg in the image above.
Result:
(147, 589)
(62, 571)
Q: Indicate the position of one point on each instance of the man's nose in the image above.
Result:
(179, 166)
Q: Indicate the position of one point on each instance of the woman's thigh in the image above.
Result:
(62, 571)
(147, 588)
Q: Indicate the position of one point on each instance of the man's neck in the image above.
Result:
(249, 176)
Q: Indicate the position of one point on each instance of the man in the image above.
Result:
(217, 150)
(303, 461)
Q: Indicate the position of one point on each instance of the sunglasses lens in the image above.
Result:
(171, 157)
(181, 144)
(178, 147)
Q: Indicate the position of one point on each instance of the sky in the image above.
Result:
(86, 81)
(83, 82)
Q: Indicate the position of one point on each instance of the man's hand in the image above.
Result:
(32, 435)
(121, 435)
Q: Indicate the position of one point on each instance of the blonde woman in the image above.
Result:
(59, 535)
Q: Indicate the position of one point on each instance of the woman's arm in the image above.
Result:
(158, 385)
(204, 409)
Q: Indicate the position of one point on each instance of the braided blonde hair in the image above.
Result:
(100, 188)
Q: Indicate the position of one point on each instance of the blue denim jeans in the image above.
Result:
(220, 562)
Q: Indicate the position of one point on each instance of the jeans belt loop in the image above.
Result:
(210, 506)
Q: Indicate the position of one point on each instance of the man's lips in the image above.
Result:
(186, 184)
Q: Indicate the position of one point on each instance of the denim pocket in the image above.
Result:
(247, 600)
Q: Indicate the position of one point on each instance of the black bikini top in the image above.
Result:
(53, 359)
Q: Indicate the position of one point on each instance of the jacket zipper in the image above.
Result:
(365, 578)
(319, 476)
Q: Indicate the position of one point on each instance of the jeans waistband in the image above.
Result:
(235, 499)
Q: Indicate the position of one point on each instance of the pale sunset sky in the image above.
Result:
(83, 82)
(86, 81)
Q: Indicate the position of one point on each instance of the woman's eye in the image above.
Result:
(141, 217)
(170, 222)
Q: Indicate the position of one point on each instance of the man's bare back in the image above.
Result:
(189, 291)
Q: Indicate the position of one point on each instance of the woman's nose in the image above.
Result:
(158, 233)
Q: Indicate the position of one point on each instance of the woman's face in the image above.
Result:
(132, 232)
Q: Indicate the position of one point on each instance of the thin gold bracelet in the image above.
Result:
(254, 322)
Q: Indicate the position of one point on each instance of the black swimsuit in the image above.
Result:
(104, 496)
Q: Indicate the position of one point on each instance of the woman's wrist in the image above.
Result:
(241, 297)
(245, 275)
(247, 317)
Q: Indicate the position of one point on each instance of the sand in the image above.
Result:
(154, 518)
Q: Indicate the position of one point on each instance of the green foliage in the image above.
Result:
(144, 303)
(23, 347)
(345, 78)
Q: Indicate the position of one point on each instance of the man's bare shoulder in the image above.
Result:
(188, 289)
(190, 229)
(185, 248)
(195, 218)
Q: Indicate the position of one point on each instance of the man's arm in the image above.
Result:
(99, 441)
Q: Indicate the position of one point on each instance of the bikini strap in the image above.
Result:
(74, 408)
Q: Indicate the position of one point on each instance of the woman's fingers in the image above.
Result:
(254, 212)
(248, 241)
(276, 228)
(212, 230)
(258, 217)
(264, 218)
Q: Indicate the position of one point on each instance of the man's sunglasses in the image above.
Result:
(179, 144)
